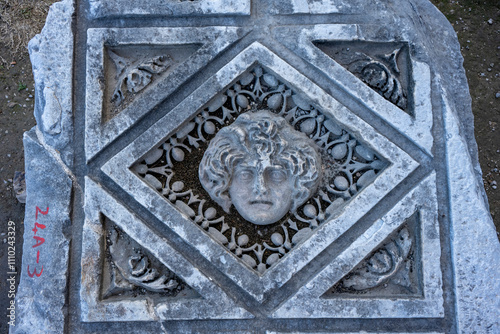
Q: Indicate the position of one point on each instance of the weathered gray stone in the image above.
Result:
(392, 236)
(119, 8)
(51, 54)
(41, 296)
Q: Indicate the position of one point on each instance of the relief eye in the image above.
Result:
(245, 175)
(277, 176)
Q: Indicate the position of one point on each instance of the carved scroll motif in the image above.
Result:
(384, 67)
(380, 77)
(132, 269)
(132, 77)
(383, 264)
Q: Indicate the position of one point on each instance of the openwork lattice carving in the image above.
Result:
(348, 166)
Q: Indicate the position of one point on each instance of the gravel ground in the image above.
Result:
(477, 24)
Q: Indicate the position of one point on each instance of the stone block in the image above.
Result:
(254, 167)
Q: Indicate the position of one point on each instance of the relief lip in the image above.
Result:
(261, 202)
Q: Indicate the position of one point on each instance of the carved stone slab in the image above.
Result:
(253, 167)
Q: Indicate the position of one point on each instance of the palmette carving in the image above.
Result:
(380, 77)
(384, 67)
(134, 77)
(383, 264)
(131, 268)
(348, 166)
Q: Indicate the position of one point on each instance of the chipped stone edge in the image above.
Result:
(51, 54)
(475, 246)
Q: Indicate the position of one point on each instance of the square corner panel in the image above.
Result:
(391, 271)
(130, 71)
(131, 274)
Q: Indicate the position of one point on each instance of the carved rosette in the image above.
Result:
(171, 168)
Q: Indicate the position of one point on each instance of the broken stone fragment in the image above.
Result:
(20, 186)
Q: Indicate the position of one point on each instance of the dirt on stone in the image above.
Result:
(477, 24)
(20, 20)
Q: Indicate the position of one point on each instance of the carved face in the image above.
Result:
(261, 165)
(261, 192)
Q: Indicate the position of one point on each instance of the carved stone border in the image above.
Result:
(118, 169)
(112, 8)
(417, 127)
(319, 6)
(274, 332)
(97, 135)
(307, 302)
(214, 304)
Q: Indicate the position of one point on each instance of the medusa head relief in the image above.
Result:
(262, 166)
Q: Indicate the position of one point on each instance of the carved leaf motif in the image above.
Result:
(382, 265)
(379, 77)
(300, 102)
(301, 235)
(366, 178)
(134, 78)
(270, 80)
(272, 259)
(218, 235)
(274, 102)
(184, 208)
(217, 102)
(249, 260)
(136, 267)
(156, 65)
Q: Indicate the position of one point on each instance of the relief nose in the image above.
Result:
(260, 187)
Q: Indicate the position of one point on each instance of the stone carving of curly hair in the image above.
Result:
(262, 136)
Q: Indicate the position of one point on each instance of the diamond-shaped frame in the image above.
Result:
(118, 169)
(261, 96)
